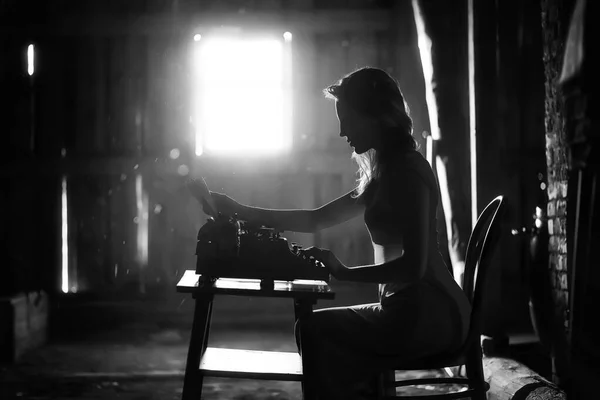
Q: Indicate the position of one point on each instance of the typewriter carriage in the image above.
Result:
(228, 247)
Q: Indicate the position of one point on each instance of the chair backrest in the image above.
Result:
(480, 250)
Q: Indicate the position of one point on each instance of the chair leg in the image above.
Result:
(474, 370)
(479, 395)
(385, 386)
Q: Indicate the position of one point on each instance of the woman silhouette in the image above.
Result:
(421, 310)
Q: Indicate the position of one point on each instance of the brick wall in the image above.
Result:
(555, 23)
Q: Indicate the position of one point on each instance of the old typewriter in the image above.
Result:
(228, 247)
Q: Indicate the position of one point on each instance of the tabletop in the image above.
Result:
(189, 283)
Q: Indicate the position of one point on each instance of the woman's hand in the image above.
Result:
(335, 266)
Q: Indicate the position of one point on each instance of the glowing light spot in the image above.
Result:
(30, 59)
(538, 223)
(174, 154)
(157, 209)
(429, 149)
(197, 37)
(243, 96)
(183, 170)
(141, 197)
(458, 265)
(543, 186)
(64, 236)
(287, 36)
(424, 45)
(136, 166)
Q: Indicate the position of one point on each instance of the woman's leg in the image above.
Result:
(344, 346)
(335, 344)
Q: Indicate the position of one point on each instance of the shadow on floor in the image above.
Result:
(136, 349)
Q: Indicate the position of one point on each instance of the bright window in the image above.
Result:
(243, 95)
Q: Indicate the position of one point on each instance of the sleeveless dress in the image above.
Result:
(344, 347)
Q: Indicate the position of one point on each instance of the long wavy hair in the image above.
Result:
(372, 92)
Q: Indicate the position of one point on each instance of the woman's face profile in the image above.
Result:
(360, 131)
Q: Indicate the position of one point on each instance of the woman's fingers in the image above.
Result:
(319, 254)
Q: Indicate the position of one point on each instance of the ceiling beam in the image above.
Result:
(174, 24)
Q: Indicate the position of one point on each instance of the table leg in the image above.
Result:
(193, 379)
(302, 308)
(207, 330)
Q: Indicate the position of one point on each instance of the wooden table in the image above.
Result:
(233, 363)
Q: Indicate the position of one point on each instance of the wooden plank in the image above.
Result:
(130, 375)
(160, 24)
(305, 65)
(251, 287)
(509, 379)
(116, 77)
(251, 364)
(332, 52)
(155, 91)
(53, 60)
(82, 114)
(98, 99)
(130, 106)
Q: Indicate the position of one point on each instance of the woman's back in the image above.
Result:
(384, 217)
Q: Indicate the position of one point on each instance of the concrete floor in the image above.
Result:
(135, 349)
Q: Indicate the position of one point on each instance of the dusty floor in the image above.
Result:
(135, 349)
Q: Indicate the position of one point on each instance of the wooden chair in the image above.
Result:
(480, 249)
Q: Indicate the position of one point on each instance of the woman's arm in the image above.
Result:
(301, 220)
(337, 211)
(409, 265)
